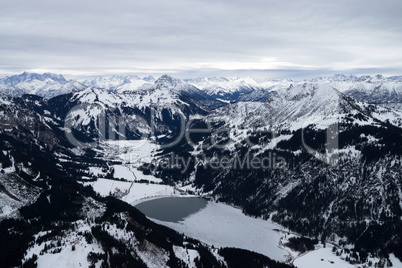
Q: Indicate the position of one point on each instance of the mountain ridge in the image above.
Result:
(45, 85)
(376, 89)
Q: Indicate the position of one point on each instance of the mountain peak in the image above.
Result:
(376, 79)
(149, 78)
(168, 80)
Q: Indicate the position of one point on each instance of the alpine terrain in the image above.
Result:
(318, 161)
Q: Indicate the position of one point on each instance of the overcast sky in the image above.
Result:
(195, 38)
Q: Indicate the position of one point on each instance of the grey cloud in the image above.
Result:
(177, 36)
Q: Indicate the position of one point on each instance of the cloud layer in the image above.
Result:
(154, 36)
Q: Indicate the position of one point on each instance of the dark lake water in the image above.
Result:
(172, 209)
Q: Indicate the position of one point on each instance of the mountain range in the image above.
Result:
(371, 89)
(321, 158)
(45, 85)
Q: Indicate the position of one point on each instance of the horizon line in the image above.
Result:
(257, 74)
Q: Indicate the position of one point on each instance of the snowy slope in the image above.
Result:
(301, 105)
(15, 119)
(15, 193)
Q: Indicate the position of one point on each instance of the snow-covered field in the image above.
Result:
(129, 151)
(225, 226)
(323, 257)
(132, 153)
(135, 191)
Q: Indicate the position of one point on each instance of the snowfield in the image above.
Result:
(67, 257)
(135, 191)
(323, 258)
(123, 173)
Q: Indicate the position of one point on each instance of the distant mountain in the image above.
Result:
(118, 82)
(133, 83)
(186, 89)
(27, 77)
(371, 89)
(212, 92)
(46, 85)
(301, 105)
(215, 85)
(231, 89)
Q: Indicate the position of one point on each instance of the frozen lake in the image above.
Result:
(223, 226)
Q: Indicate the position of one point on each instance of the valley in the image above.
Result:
(294, 172)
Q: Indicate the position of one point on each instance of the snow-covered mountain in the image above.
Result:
(118, 82)
(53, 220)
(170, 84)
(300, 105)
(215, 85)
(46, 85)
(212, 92)
(133, 83)
(312, 156)
(232, 89)
(160, 108)
(371, 89)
